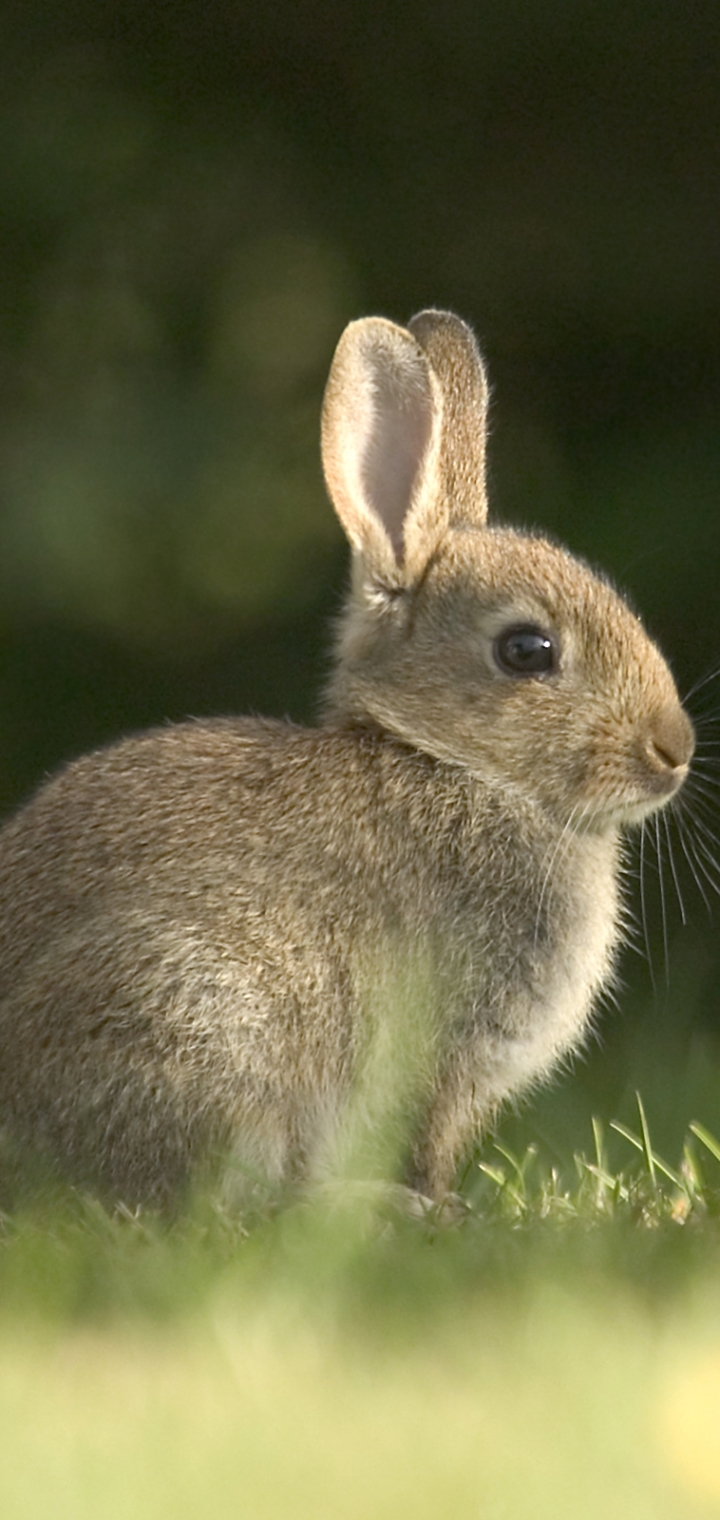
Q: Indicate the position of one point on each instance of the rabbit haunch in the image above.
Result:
(207, 933)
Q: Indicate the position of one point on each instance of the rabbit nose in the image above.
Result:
(670, 743)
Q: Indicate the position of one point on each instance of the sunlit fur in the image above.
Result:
(307, 949)
(682, 840)
(581, 740)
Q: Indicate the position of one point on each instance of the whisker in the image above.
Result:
(663, 905)
(707, 834)
(554, 853)
(700, 685)
(704, 803)
(702, 856)
(705, 763)
(710, 716)
(699, 826)
(706, 792)
(673, 869)
(643, 906)
(700, 788)
(708, 855)
(691, 863)
(710, 879)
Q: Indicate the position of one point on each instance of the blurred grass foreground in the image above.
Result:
(556, 1354)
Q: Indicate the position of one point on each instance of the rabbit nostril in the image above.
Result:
(671, 740)
(658, 754)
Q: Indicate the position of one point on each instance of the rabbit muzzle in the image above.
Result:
(659, 764)
(668, 748)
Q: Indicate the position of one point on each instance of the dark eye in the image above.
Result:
(525, 650)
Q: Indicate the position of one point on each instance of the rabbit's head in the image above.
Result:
(490, 649)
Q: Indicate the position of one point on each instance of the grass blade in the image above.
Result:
(645, 1132)
(703, 1135)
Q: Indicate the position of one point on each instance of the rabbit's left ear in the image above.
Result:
(455, 358)
(381, 438)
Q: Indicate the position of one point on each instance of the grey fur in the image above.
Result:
(205, 931)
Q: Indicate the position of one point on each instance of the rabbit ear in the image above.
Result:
(454, 355)
(381, 433)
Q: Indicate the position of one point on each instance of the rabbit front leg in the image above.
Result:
(460, 1111)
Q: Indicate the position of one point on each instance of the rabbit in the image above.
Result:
(247, 939)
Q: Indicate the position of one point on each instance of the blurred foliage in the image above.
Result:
(159, 460)
(194, 201)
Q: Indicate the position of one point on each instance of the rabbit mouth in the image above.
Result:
(649, 775)
(632, 811)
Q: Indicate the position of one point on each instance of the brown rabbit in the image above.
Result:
(211, 935)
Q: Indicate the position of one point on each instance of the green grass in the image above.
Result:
(556, 1353)
(553, 1355)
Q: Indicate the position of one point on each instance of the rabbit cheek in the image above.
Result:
(539, 748)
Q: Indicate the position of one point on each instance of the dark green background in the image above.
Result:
(194, 198)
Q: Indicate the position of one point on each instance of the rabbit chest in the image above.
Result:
(408, 883)
(516, 919)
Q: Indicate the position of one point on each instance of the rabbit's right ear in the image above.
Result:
(381, 437)
(455, 357)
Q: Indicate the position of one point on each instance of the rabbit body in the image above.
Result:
(148, 1017)
(208, 932)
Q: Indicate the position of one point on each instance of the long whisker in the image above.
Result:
(711, 879)
(700, 788)
(663, 904)
(706, 836)
(705, 830)
(700, 685)
(691, 862)
(699, 802)
(554, 855)
(702, 782)
(700, 830)
(673, 868)
(711, 860)
(643, 906)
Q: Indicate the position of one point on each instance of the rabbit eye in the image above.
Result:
(525, 650)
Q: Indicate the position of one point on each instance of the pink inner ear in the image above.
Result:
(394, 451)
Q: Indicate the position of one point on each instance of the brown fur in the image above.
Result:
(208, 932)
